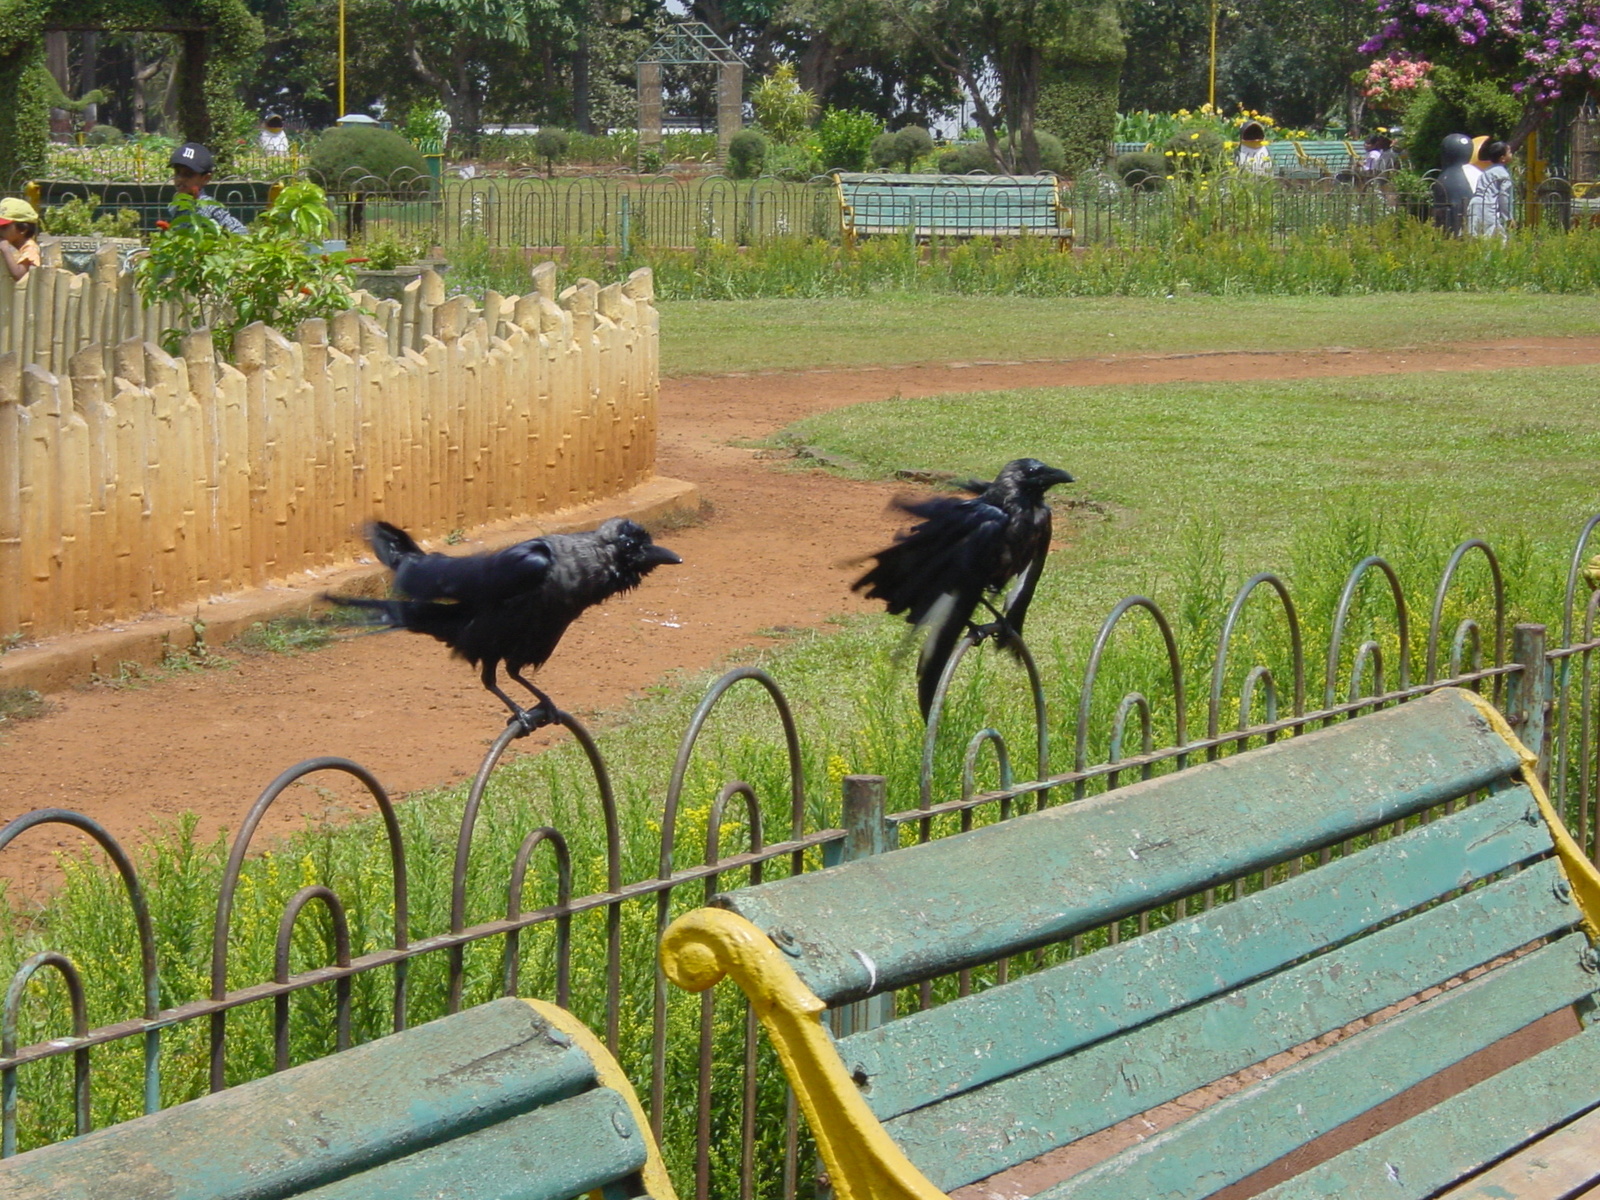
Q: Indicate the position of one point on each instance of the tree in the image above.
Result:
(1000, 52)
(1545, 50)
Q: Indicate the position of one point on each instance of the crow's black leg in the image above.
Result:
(999, 629)
(529, 720)
(545, 713)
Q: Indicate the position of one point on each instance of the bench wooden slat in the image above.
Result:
(1558, 1165)
(1050, 1013)
(554, 1153)
(295, 1130)
(1021, 1116)
(1248, 1130)
(1024, 883)
(1462, 1133)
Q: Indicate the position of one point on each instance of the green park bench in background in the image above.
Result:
(1412, 902)
(956, 206)
(511, 1100)
(1329, 157)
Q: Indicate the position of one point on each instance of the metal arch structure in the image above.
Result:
(691, 44)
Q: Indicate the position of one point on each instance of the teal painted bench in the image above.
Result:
(952, 206)
(1449, 917)
(512, 1100)
(1329, 157)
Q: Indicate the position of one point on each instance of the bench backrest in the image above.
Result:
(1054, 1056)
(1330, 155)
(950, 205)
(509, 1099)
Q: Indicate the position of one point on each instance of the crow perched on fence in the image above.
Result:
(938, 572)
(510, 606)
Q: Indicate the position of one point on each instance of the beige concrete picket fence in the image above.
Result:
(134, 482)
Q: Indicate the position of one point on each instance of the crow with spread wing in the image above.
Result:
(510, 606)
(959, 555)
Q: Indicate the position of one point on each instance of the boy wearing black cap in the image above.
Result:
(191, 171)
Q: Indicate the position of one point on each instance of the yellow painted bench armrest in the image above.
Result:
(609, 1072)
(1582, 875)
(705, 946)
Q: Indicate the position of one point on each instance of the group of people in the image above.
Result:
(1483, 192)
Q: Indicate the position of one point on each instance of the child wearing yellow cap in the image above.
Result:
(19, 231)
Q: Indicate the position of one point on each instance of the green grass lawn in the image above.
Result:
(1264, 466)
(710, 337)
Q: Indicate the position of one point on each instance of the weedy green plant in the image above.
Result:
(287, 635)
(76, 217)
(223, 282)
(21, 704)
(386, 250)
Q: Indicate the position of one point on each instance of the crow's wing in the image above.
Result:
(478, 578)
(1021, 594)
(936, 574)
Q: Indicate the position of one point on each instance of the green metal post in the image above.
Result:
(867, 832)
(1528, 694)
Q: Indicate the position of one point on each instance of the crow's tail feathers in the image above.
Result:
(392, 544)
(387, 613)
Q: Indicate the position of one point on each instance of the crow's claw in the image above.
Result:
(529, 719)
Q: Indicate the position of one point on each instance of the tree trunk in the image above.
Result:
(581, 118)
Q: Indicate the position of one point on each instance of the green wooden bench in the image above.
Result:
(1382, 937)
(512, 1100)
(952, 206)
(1329, 157)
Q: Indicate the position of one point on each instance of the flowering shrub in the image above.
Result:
(1553, 46)
(1391, 81)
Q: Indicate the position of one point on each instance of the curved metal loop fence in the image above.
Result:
(941, 694)
(1091, 675)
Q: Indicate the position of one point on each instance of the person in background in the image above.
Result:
(19, 233)
(1380, 156)
(1253, 157)
(274, 140)
(1489, 210)
(191, 170)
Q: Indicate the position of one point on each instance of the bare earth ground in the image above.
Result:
(208, 742)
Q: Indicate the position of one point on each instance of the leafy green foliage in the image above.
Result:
(902, 148)
(103, 135)
(747, 150)
(1079, 106)
(1196, 152)
(1145, 170)
(782, 107)
(844, 138)
(965, 158)
(425, 122)
(387, 250)
(75, 217)
(365, 157)
(224, 281)
(1456, 103)
(552, 146)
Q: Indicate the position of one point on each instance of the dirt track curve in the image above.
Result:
(210, 741)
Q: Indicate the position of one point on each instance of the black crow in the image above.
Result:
(960, 553)
(510, 606)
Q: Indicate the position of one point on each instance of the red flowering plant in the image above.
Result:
(1390, 82)
(1546, 49)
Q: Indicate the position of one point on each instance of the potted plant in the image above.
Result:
(81, 235)
(384, 264)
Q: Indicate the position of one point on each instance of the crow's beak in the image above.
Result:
(1055, 475)
(660, 556)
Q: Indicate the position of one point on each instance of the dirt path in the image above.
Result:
(136, 758)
